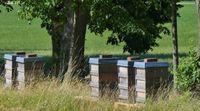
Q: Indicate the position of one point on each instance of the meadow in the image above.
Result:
(73, 96)
(19, 35)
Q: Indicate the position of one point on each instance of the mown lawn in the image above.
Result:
(18, 35)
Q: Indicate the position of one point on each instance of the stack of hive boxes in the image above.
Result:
(11, 69)
(150, 76)
(126, 76)
(29, 69)
(103, 72)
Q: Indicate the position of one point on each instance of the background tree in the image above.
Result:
(175, 39)
(137, 23)
(65, 21)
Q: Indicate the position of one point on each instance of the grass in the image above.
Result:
(50, 96)
(18, 35)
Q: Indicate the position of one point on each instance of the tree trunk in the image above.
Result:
(77, 62)
(56, 52)
(67, 39)
(198, 11)
(174, 39)
(175, 36)
(73, 41)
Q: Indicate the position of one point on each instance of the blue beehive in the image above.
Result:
(150, 76)
(10, 69)
(126, 77)
(103, 73)
(29, 69)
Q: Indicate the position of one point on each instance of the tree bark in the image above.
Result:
(175, 36)
(56, 52)
(77, 62)
(175, 39)
(67, 39)
(73, 41)
(198, 13)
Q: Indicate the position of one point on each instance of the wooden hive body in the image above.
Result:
(29, 69)
(126, 77)
(10, 69)
(103, 73)
(149, 78)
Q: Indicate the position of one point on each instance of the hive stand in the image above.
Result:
(11, 69)
(126, 77)
(150, 76)
(103, 74)
(29, 69)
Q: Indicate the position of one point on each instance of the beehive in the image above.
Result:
(126, 77)
(10, 69)
(103, 73)
(29, 69)
(150, 76)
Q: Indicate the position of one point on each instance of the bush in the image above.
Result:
(188, 74)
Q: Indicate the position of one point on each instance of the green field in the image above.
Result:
(18, 35)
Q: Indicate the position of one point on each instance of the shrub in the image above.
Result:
(188, 73)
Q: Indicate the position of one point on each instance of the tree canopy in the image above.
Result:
(137, 23)
(6, 5)
(50, 12)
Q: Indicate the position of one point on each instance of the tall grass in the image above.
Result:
(50, 96)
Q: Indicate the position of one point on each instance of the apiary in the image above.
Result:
(29, 69)
(103, 73)
(11, 69)
(149, 77)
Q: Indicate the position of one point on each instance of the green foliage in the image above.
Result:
(7, 6)
(137, 23)
(51, 12)
(188, 74)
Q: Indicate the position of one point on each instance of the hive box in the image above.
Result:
(10, 69)
(150, 76)
(103, 73)
(29, 69)
(126, 77)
